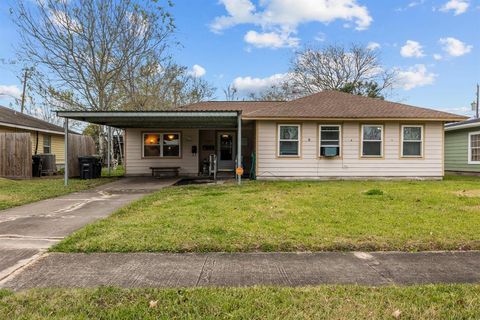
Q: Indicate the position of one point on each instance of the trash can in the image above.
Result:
(90, 167)
(37, 164)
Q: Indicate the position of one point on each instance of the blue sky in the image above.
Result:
(434, 44)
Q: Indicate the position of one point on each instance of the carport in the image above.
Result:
(158, 119)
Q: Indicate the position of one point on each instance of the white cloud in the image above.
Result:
(240, 11)
(288, 14)
(197, 71)
(458, 6)
(437, 57)
(10, 91)
(270, 40)
(320, 37)
(247, 85)
(455, 47)
(284, 16)
(416, 76)
(410, 5)
(412, 49)
(373, 46)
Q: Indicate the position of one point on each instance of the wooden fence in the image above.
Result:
(78, 146)
(15, 155)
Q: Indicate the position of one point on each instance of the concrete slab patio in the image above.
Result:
(246, 269)
(28, 230)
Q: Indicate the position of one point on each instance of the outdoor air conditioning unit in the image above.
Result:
(49, 166)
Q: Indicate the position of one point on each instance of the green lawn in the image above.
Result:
(294, 216)
(325, 302)
(18, 192)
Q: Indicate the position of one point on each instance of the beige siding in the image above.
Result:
(135, 165)
(350, 164)
(58, 148)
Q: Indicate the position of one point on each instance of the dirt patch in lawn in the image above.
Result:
(468, 193)
(4, 197)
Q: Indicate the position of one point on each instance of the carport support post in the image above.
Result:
(109, 153)
(239, 146)
(66, 152)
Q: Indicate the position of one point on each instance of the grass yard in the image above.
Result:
(18, 192)
(326, 302)
(293, 216)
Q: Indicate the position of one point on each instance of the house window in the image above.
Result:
(289, 140)
(412, 141)
(372, 141)
(171, 145)
(330, 140)
(474, 147)
(47, 144)
(161, 144)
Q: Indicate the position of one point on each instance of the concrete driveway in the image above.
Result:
(27, 231)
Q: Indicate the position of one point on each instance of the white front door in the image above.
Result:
(226, 151)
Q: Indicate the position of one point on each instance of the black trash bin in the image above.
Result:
(90, 167)
(37, 164)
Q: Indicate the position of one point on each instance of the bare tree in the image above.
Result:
(162, 85)
(282, 91)
(230, 93)
(355, 69)
(83, 47)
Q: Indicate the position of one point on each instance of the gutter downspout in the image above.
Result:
(36, 144)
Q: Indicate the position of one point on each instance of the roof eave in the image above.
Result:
(11, 125)
(462, 126)
(280, 118)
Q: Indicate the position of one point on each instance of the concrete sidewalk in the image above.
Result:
(246, 269)
(29, 230)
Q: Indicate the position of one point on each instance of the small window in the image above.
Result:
(171, 145)
(412, 141)
(372, 140)
(47, 144)
(474, 148)
(330, 140)
(161, 144)
(151, 145)
(289, 140)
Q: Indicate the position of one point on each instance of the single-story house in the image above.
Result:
(46, 138)
(462, 146)
(328, 135)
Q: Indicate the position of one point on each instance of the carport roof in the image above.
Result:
(156, 119)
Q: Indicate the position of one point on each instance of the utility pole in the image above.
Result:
(25, 77)
(478, 100)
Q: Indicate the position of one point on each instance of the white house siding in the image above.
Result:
(135, 165)
(351, 165)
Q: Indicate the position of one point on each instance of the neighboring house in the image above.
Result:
(46, 138)
(328, 135)
(462, 146)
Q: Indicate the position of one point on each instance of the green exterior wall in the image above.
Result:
(456, 151)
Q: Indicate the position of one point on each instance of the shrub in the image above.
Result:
(374, 192)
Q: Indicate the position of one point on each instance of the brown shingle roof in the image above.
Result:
(15, 118)
(245, 106)
(339, 105)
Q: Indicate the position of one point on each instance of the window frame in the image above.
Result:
(382, 140)
(340, 140)
(49, 146)
(299, 140)
(160, 144)
(470, 134)
(402, 140)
